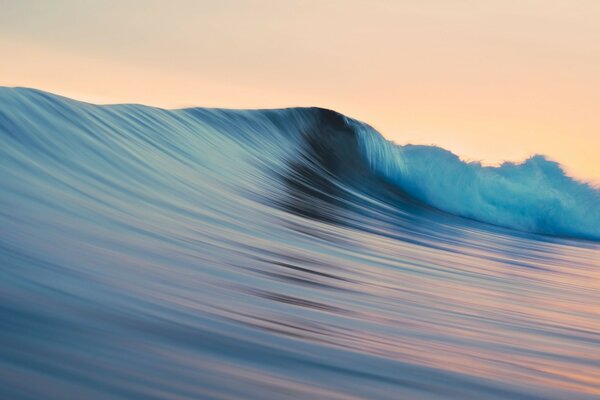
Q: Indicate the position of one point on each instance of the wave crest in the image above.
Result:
(238, 146)
(535, 195)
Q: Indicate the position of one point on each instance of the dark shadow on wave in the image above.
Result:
(330, 181)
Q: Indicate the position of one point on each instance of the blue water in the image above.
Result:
(274, 254)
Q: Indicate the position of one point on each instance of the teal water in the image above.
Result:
(271, 254)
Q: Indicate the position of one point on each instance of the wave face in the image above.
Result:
(206, 253)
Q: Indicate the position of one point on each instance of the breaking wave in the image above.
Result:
(295, 253)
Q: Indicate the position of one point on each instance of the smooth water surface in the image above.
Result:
(214, 254)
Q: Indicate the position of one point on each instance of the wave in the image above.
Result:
(534, 196)
(295, 253)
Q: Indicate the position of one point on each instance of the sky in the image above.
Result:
(489, 80)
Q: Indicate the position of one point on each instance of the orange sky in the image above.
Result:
(489, 80)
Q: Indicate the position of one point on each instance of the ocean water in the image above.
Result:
(283, 254)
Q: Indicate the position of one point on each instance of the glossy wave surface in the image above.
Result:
(219, 254)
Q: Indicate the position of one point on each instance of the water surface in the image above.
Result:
(214, 254)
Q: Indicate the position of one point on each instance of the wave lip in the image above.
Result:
(534, 196)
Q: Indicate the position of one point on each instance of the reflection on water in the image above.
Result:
(141, 266)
